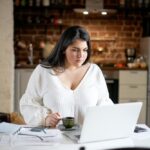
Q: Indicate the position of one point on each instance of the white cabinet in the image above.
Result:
(133, 88)
(21, 80)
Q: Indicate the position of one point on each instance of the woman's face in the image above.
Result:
(76, 53)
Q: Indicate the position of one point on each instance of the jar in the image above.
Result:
(142, 62)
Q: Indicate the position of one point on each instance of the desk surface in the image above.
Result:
(11, 142)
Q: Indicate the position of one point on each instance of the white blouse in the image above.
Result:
(46, 93)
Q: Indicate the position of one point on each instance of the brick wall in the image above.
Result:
(113, 34)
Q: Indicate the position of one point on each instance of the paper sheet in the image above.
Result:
(23, 135)
(9, 128)
(43, 133)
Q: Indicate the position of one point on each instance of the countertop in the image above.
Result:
(111, 68)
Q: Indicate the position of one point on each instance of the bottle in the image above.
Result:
(52, 2)
(146, 3)
(133, 3)
(66, 2)
(30, 57)
(140, 3)
(17, 3)
(38, 3)
(46, 3)
(30, 3)
(122, 3)
(128, 4)
(23, 3)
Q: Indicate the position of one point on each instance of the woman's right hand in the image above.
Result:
(52, 119)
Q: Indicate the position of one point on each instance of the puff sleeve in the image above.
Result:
(31, 103)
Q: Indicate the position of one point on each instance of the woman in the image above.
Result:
(65, 84)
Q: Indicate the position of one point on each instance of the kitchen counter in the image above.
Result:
(26, 66)
(111, 68)
(121, 68)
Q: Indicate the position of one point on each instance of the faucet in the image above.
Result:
(30, 57)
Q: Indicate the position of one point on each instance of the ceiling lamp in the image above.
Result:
(85, 12)
(104, 13)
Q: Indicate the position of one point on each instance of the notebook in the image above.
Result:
(107, 122)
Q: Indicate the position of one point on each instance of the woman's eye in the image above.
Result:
(85, 50)
(75, 50)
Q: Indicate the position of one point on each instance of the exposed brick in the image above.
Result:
(127, 33)
(129, 28)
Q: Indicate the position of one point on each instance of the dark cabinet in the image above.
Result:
(134, 6)
(46, 13)
(146, 26)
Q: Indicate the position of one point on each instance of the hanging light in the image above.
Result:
(104, 13)
(85, 12)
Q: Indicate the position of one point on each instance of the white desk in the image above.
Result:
(64, 143)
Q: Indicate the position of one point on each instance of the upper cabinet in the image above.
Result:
(134, 6)
(50, 12)
(42, 12)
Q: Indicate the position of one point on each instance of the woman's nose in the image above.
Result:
(80, 54)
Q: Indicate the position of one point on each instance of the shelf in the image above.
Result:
(103, 39)
(42, 16)
(134, 10)
(60, 7)
(132, 6)
(39, 17)
(26, 25)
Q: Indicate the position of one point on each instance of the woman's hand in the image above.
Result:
(52, 119)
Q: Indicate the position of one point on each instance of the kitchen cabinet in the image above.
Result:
(47, 15)
(133, 88)
(21, 80)
(134, 6)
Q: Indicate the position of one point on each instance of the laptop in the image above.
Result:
(107, 122)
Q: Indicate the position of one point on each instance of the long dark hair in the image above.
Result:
(57, 57)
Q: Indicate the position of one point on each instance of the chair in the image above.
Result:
(13, 117)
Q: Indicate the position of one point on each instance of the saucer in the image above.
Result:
(62, 127)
